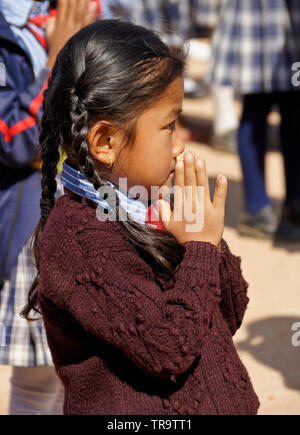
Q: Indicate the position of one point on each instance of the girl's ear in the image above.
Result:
(102, 141)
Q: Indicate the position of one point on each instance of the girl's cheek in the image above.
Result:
(168, 144)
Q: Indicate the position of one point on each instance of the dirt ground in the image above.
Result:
(264, 342)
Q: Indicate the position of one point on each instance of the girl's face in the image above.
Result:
(152, 157)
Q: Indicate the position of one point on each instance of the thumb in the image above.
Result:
(164, 211)
(219, 198)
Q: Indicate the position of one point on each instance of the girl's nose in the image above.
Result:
(179, 146)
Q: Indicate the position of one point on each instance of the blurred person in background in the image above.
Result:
(122, 9)
(226, 121)
(173, 20)
(254, 48)
(31, 35)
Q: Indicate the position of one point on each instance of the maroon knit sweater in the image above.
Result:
(119, 343)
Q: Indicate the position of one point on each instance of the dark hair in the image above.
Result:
(110, 70)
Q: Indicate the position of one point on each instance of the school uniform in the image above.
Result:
(122, 344)
(23, 53)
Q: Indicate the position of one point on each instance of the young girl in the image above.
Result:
(139, 320)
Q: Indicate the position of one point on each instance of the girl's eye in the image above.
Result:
(172, 126)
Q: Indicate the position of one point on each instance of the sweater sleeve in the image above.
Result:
(20, 111)
(234, 298)
(113, 296)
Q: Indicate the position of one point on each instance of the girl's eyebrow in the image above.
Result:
(175, 112)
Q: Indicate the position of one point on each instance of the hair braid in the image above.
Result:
(79, 130)
(86, 165)
(49, 145)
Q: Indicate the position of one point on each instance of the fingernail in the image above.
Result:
(199, 162)
(189, 157)
(222, 179)
(179, 164)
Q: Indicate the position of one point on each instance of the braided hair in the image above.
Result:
(87, 84)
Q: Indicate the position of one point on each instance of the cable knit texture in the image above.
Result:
(121, 344)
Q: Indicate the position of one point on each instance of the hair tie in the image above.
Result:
(46, 205)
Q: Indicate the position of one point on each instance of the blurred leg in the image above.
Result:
(36, 391)
(289, 104)
(252, 147)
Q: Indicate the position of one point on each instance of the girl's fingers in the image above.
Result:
(219, 198)
(190, 191)
(189, 169)
(202, 178)
(178, 188)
